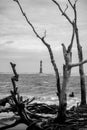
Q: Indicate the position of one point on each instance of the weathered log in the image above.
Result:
(5, 100)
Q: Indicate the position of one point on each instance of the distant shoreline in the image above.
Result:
(42, 74)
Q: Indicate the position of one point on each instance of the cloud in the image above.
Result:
(9, 42)
(6, 43)
(17, 40)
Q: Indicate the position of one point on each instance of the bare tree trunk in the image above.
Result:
(66, 75)
(79, 48)
(63, 97)
(80, 56)
(81, 70)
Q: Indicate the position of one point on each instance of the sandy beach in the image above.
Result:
(19, 127)
(8, 118)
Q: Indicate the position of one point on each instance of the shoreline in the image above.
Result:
(9, 120)
(22, 126)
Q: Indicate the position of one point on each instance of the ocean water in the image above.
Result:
(40, 86)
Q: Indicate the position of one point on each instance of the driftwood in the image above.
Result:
(4, 100)
(40, 116)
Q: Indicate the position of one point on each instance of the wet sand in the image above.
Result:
(18, 127)
(22, 126)
(7, 119)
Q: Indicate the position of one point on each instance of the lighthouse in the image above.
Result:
(41, 67)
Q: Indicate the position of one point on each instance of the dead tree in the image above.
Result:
(79, 47)
(47, 45)
(17, 98)
(66, 75)
(80, 56)
(25, 112)
(61, 90)
(17, 103)
(31, 114)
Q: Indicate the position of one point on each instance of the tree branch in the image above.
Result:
(27, 19)
(71, 4)
(14, 71)
(63, 12)
(64, 51)
(66, 8)
(76, 1)
(72, 39)
(74, 8)
(44, 35)
(14, 78)
(5, 100)
(45, 43)
(72, 23)
(78, 64)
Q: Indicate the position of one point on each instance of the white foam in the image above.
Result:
(6, 115)
(72, 102)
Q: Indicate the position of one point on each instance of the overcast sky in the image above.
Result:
(19, 44)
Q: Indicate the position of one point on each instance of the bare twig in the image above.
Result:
(27, 19)
(78, 64)
(44, 35)
(63, 12)
(66, 8)
(71, 4)
(76, 1)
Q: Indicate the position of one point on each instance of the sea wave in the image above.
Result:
(71, 101)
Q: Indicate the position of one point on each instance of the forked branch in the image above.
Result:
(71, 44)
(63, 12)
(71, 4)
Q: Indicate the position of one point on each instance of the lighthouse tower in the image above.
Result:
(41, 67)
